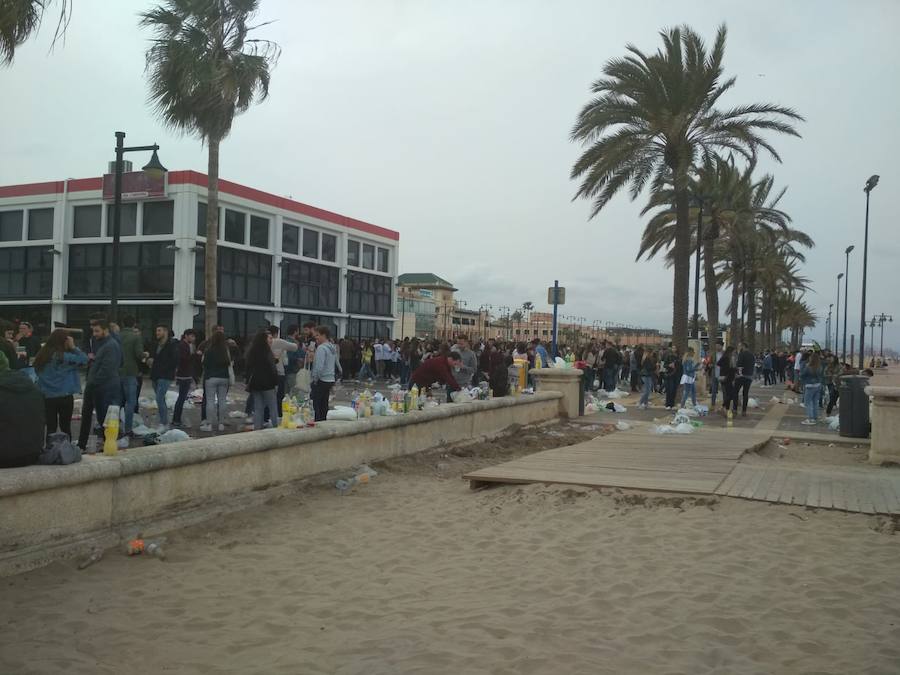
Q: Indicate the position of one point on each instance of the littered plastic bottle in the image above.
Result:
(111, 431)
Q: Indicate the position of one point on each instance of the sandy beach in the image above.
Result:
(415, 573)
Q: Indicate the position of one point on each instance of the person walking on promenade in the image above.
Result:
(672, 372)
(689, 379)
(746, 363)
(649, 367)
(727, 372)
(811, 375)
(184, 372)
(132, 355)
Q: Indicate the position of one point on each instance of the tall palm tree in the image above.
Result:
(655, 114)
(19, 19)
(204, 70)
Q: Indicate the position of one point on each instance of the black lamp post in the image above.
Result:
(837, 314)
(882, 319)
(870, 185)
(697, 272)
(828, 329)
(154, 169)
(846, 283)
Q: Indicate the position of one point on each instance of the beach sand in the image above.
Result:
(415, 573)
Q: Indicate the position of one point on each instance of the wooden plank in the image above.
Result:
(879, 502)
(728, 481)
(892, 501)
(747, 473)
(753, 484)
(702, 482)
(814, 495)
(774, 493)
(826, 492)
(850, 495)
(801, 489)
(864, 490)
(838, 495)
(769, 477)
(786, 494)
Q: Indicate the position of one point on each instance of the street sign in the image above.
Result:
(556, 296)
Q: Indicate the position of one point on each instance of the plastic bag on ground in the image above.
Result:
(171, 398)
(702, 410)
(663, 429)
(622, 426)
(681, 418)
(774, 399)
(684, 428)
(752, 403)
(141, 430)
(689, 412)
(342, 413)
(174, 436)
(834, 422)
(560, 362)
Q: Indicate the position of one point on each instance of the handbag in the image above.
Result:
(302, 382)
(231, 378)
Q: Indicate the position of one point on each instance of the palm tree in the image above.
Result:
(19, 19)
(204, 70)
(652, 118)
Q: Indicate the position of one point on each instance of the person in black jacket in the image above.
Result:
(727, 372)
(262, 379)
(163, 363)
(746, 364)
(21, 418)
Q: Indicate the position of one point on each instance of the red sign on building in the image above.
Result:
(135, 185)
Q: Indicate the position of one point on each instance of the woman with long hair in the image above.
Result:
(262, 379)
(216, 376)
(57, 364)
(689, 378)
(649, 366)
(833, 373)
(811, 374)
(365, 369)
(727, 373)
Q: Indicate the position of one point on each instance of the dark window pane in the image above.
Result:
(369, 294)
(128, 226)
(87, 221)
(382, 259)
(11, 225)
(259, 232)
(158, 217)
(129, 255)
(368, 257)
(310, 243)
(290, 239)
(329, 247)
(353, 253)
(40, 223)
(234, 226)
(201, 219)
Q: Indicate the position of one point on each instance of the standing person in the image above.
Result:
(469, 361)
(649, 366)
(21, 418)
(163, 364)
(216, 363)
(689, 378)
(611, 362)
(541, 350)
(626, 365)
(280, 348)
(184, 372)
(745, 365)
(379, 358)
(590, 359)
(439, 370)
(636, 355)
(56, 365)
(294, 358)
(347, 353)
(811, 375)
(833, 373)
(768, 368)
(365, 369)
(672, 370)
(28, 341)
(727, 373)
(90, 346)
(132, 355)
(714, 380)
(262, 379)
(103, 377)
(322, 377)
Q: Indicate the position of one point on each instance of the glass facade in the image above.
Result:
(86, 222)
(147, 317)
(300, 319)
(128, 224)
(310, 286)
(147, 269)
(235, 224)
(159, 218)
(11, 223)
(369, 294)
(243, 276)
(26, 272)
(40, 224)
(259, 231)
(368, 329)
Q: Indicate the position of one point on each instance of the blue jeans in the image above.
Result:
(160, 387)
(609, 378)
(689, 389)
(105, 395)
(713, 390)
(261, 401)
(184, 388)
(811, 400)
(129, 384)
(648, 389)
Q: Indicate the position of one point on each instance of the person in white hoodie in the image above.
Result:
(325, 368)
(280, 348)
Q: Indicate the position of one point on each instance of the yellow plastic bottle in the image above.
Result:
(111, 431)
(285, 414)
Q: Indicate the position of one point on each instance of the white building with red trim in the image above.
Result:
(280, 261)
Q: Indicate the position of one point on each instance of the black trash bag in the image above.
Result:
(60, 450)
(151, 439)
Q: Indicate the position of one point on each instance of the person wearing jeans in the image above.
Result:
(688, 378)
(746, 364)
(103, 378)
(648, 377)
(262, 379)
(184, 372)
(216, 363)
(162, 370)
(811, 375)
(322, 376)
(132, 355)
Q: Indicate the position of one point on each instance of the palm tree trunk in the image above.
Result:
(212, 239)
(712, 293)
(682, 256)
(750, 333)
(733, 337)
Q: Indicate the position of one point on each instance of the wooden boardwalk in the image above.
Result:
(705, 462)
(637, 458)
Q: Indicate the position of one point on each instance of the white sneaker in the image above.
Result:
(221, 427)
(206, 427)
(808, 422)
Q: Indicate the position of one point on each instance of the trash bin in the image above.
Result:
(581, 381)
(854, 406)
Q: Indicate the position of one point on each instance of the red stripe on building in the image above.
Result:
(31, 189)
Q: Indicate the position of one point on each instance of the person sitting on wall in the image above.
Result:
(21, 418)
(438, 370)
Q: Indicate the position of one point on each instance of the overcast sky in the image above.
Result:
(449, 121)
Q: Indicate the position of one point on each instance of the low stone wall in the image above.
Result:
(43, 506)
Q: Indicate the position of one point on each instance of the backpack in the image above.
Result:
(60, 450)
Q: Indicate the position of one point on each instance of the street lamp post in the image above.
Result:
(870, 185)
(882, 319)
(153, 168)
(837, 314)
(828, 328)
(697, 272)
(846, 285)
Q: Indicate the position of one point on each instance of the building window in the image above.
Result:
(146, 269)
(26, 272)
(382, 259)
(290, 239)
(363, 329)
(310, 243)
(40, 224)
(128, 225)
(300, 319)
(11, 225)
(242, 277)
(353, 253)
(259, 232)
(87, 221)
(240, 325)
(368, 294)
(368, 257)
(329, 247)
(309, 286)
(234, 226)
(201, 219)
(159, 218)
